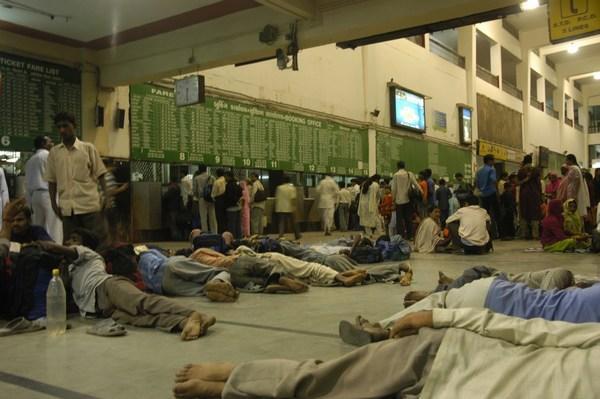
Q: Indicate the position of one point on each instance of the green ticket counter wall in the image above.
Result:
(239, 134)
(443, 160)
(31, 93)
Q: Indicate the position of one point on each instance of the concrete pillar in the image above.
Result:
(541, 90)
(372, 151)
(467, 47)
(496, 61)
(524, 81)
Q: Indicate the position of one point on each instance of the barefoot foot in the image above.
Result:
(218, 372)
(199, 389)
(196, 326)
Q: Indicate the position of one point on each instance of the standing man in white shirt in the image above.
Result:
(4, 197)
(402, 181)
(38, 196)
(328, 191)
(285, 207)
(206, 205)
(257, 208)
(74, 171)
(344, 207)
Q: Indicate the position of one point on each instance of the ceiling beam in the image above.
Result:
(557, 48)
(579, 66)
(303, 9)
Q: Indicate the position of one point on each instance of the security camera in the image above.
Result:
(375, 112)
(282, 59)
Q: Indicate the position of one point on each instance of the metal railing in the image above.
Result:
(511, 89)
(537, 104)
(569, 121)
(550, 111)
(594, 129)
(447, 53)
(488, 76)
(578, 127)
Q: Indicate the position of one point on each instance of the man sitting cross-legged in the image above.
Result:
(575, 305)
(444, 353)
(96, 291)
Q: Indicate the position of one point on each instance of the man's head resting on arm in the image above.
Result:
(83, 237)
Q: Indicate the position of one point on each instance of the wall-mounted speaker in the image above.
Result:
(99, 116)
(120, 118)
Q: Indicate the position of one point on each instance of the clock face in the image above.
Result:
(187, 91)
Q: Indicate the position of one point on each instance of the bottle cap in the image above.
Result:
(55, 272)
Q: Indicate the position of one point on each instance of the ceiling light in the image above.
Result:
(573, 48)
(597, 76)
(530, 5)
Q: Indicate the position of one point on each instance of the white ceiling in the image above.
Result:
(564, 56)
(92, 19)
(529, 20)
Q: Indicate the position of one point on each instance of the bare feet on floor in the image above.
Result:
(196, 326)
(351, 277)
(205, 371)
(221, 291)
(406, 279)
(198, 389)
(293, 284)
(443, 279)
(205, 380)
(413, 297)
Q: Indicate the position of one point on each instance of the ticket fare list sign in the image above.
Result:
(31, 93)
(231, 133)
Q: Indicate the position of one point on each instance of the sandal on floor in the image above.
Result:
(107, 328)
(19, 325)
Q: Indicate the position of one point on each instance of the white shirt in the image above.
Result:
(87, 272)
(256, 186)
(345, 196)
(354, 190)
(472, 224)
(328, 191)
(285, 198)
(35, 169)
(401, 182)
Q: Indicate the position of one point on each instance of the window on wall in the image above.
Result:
(417, 39)
(550, 107)
(594, 156)
(534, 93)
(576, 120)
(568, 120)
(445, 44)
(509, 74)
(484, 51)
(594, 119)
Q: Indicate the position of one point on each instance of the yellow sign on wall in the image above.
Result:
(572, 19)
(499, 153)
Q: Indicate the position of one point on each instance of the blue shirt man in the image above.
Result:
(486, 177)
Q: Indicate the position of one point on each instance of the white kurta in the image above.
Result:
(368, 209)
(328, 191)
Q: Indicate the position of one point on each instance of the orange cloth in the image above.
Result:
(386, 206)
(424, 188)
(211, 257)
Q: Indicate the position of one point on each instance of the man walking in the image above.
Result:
(486, 185)
(258, 199)
(328, 191)
(203, 190)
(402, 181)
(218, 195)
(285, 207)
(74, 170)
(344, 207)
(38, 197)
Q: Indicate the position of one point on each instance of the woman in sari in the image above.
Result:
(554, 237)
(368, 208)
(429, 237)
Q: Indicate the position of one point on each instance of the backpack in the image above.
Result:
(366, 254)
(233, 193)
(207, 191)
(209, 240)
(260, 196)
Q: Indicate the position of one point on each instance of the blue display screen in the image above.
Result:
(409, 110)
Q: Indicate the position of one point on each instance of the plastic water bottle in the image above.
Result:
(56, 306)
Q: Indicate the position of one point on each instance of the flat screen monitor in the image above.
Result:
(465, 124)
(407, 109)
